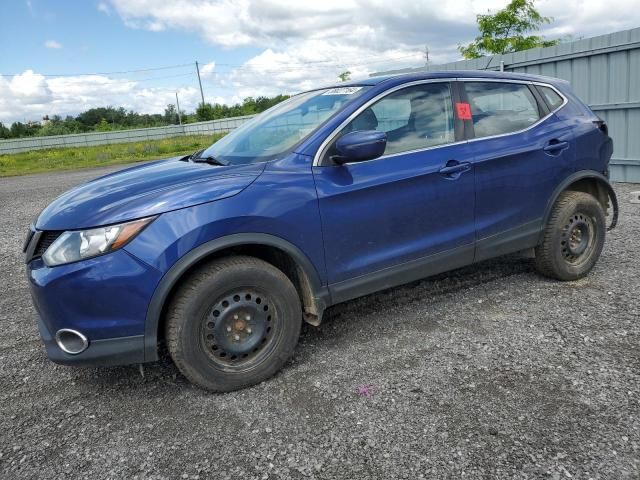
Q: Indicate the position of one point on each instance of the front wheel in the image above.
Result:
(233, 323)
(573, 237)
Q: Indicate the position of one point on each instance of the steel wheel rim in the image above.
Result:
(240, 327)
(578, 239)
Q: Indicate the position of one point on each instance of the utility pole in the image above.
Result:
(178, 105)
(200, 82)
(426, 55)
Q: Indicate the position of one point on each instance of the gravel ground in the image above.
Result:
(487, 372)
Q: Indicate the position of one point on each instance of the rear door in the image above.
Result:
(522, 153)
(384, 216)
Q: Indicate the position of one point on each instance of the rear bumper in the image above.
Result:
(99, 353)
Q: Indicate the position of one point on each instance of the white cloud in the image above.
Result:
(301, 45)
(306, 44)
(272, 72)
(276, 23)
(207, 70)
(104, 8)
(30, 88)
(30, 96)
(52, 44)
(589, 19)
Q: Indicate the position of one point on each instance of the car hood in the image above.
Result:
(144, 191)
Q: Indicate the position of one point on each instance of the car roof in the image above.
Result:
(393, 80)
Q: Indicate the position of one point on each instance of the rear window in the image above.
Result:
(498, 108)
(551, 97)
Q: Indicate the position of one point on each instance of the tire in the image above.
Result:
(573, 237)
(233, 323)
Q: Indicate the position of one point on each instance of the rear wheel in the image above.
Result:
(233, 323)
(573, 237)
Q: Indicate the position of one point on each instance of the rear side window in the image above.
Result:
(498, 108)
(413, 118)
(551, 97)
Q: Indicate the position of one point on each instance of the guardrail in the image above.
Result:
(120, 136)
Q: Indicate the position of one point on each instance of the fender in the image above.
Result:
(600, 178)
(169, 280)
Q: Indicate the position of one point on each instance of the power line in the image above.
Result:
(168, 67)
(132, 80)
(291, 66)
(314, 62)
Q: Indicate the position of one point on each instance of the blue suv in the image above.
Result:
(330, 195)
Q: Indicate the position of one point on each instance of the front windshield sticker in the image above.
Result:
(342, 91)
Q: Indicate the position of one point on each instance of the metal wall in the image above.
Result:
(120, 136)
(604, 71)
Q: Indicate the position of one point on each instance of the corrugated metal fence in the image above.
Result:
(120, 136)
(604, 71)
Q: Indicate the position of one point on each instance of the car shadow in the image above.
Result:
(163, 375)
(438, 287)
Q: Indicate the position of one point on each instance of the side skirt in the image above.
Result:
(401, 274)
(520, 238)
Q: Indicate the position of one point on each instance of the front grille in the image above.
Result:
(46, 239)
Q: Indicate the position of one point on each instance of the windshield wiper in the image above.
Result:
(211, 161)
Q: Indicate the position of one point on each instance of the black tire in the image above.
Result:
(233, 323)
(573, 237)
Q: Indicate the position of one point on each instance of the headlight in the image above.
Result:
(77, 245)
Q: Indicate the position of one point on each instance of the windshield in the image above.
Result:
(283, 126)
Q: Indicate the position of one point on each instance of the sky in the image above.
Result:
(61, 57)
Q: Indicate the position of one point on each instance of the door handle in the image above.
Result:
(452, 169)
(555, 147)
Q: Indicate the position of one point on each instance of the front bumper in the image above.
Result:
(100, 353)
(105, 298)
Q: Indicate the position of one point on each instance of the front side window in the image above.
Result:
(283, 126)
(498, 108)
(413, 118)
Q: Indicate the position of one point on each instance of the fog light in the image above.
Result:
(71, 341)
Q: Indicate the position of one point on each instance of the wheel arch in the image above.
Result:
(588, 181)
(282, 254)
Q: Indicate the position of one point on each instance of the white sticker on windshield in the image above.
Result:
(342, 91)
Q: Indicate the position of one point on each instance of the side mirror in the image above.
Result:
(360, 146)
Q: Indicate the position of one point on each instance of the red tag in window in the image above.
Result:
(464, 111)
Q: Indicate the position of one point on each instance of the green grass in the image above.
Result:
(57, 159)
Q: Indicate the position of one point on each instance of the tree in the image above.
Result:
(103, 126)
(344, 76)
(19, 129)
(170, 114)
(4, 131)
(204, 112)
(104, 119)
(506, 31)
(55, 126)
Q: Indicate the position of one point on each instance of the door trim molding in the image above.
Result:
(515, 239)
(510, 241)
(401, 274)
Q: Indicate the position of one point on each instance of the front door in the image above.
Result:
(408, 213)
